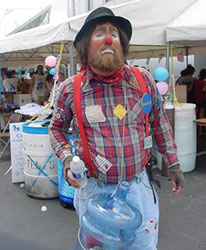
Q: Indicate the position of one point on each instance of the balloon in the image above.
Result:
(162, 87)
(51, 61)
(52, 71)
(161, 74)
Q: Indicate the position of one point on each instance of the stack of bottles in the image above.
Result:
(110, 221)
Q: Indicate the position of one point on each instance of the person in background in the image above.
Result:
(198, 87)
(114, 122)
(3, 73)
(61, 78)
(49, 82)
(37, 86)
(31, 74)
(183, 73)
(24, 84)
(187, 79)
(10, 83)
(3, 76)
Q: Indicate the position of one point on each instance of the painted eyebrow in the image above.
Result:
(102, 28)
(112, 29)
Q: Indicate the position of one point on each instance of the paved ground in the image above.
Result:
(24, 227)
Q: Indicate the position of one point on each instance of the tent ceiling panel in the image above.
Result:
(26, 58)
(189, 28)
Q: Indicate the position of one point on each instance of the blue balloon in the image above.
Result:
(161, 74)
(52, 71)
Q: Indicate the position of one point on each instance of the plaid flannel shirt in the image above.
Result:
(123, 156)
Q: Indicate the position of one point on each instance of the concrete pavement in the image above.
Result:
(23, 226)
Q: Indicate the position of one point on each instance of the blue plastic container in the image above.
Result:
(110, 221)
(66, 192)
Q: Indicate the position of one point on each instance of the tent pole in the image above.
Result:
(71, 58)
(168, 56)
(0, 80)
(187, 52)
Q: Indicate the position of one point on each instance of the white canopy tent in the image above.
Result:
(33, 46)
(189, 29)
(149, 20)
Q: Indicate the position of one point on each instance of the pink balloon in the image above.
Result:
(162, 87)
(51, 61)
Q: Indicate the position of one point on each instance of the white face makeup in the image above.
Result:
(107, 51)
(105, 36)
(101, 36)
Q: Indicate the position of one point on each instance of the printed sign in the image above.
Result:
(16, 146)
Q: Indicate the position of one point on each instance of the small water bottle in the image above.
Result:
(78, 171)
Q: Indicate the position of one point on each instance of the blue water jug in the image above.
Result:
(66, 192)
(110, 221)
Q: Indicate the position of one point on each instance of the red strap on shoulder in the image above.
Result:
(139, 78)
(143, 88)
(77, 107)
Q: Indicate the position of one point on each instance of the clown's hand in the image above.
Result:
(68, 173)
(177, 179)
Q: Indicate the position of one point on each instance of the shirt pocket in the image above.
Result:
(135, 113)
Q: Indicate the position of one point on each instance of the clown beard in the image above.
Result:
(107, 62)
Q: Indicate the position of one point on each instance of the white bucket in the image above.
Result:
(185, 135)
(40, 168)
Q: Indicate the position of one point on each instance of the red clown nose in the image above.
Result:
(108, 40)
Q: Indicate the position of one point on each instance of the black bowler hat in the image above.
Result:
(103, 14)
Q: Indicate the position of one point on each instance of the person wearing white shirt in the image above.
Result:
(10, 83)
(37, 87)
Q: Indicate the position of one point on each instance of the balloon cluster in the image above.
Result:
(52, 62)
(161, 75)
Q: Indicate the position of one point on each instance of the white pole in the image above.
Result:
(168, 57)
(71, 58)
(0, 80)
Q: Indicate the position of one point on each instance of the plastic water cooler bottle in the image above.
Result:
(66, 192)
(110, 221)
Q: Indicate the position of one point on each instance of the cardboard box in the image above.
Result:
(181, 93)
(22, 99)
(16, 146)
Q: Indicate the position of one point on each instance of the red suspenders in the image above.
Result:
(77, 98)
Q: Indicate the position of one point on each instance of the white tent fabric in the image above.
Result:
(149, 20)
(37, 37)
(189, 28)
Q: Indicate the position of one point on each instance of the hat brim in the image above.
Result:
(123, 23)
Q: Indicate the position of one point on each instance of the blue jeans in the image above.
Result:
(141, 196)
